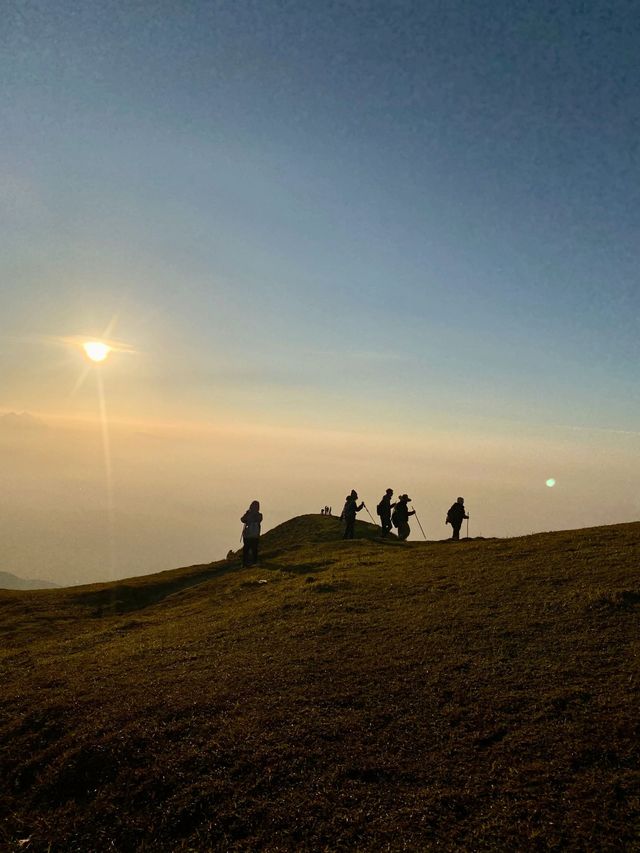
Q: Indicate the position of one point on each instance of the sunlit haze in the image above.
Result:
(351, 245)
(96, 350)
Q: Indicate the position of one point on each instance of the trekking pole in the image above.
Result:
(369, 514)
(467, 527)
(419, 525)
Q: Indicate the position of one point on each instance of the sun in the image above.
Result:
(96, 350)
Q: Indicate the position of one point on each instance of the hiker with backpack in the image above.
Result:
(455, 517)
(400, 517)
(251, 534)
(349, 513)
(384, 511)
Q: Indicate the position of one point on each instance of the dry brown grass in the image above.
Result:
(370, 695)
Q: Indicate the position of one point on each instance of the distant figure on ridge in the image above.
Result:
(455, 517)
(384, 511)
(349, 513)
(401, 515)
(251, 534)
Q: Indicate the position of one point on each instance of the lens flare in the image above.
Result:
(96, 350)
(551, 482)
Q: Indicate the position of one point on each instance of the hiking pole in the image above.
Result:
(369, 514)
(419, 525)
(467, 527)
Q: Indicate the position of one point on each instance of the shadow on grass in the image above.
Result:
(300, 568)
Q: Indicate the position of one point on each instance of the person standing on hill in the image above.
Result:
(349, 513)
(401, 515)
(455, 517)
(384, 511)
(251, 534)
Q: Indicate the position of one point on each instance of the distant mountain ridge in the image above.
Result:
(21, 421)
(9, 581)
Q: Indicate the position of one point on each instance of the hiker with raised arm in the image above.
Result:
(349, 513)
(251, 534)
(400, 517)
(455, 517)
(384, 511)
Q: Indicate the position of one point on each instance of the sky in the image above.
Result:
(345, 244)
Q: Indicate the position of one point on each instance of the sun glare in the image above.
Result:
(96, 350)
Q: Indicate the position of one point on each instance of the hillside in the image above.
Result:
(369, 695)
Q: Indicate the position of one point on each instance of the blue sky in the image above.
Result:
(377, 215)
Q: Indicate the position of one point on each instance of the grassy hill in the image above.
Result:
(373, 695)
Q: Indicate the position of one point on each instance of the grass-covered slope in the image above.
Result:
(372, 695)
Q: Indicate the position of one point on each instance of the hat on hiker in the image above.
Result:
(404, 498)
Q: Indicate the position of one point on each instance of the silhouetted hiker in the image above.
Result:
(349, 513)
(455, 517)
(384, 511)
(401, 515)
(322, 511)
(251, 534)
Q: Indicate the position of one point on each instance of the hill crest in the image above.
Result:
(367, 694)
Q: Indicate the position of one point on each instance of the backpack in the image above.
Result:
(251, 530)
(379, 508)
